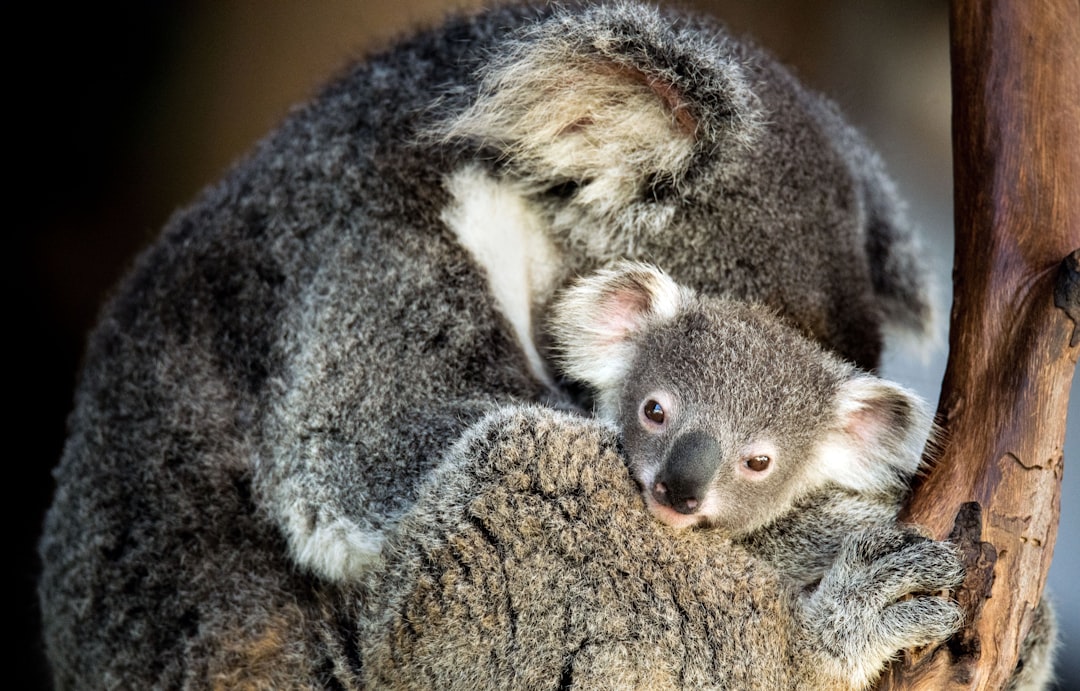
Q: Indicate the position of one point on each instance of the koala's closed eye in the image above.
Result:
(564, 190)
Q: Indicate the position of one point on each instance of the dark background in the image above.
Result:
(119, 115)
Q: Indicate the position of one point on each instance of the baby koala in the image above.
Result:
(731, 419)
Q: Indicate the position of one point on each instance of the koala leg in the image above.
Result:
(860, 615)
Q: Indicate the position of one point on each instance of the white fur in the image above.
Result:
(593, 324)
(507, 237)
(336, 550)
(874, 455)
(666, 296)
(842, 462)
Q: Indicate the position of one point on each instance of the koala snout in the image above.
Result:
(688, 469)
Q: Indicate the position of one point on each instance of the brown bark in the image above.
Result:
(1014, 332)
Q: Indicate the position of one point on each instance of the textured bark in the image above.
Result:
(1014, 330)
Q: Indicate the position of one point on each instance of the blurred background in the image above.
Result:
(122, 113)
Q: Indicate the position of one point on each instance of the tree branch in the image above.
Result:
(1014, 330)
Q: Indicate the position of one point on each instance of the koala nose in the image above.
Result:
(687, 472)
(682, 504)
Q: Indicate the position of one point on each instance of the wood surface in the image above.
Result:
(1014, 332)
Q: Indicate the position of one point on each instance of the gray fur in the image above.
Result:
(731, 381)
(734, 382)
(1035, 667)
(239, 501)
(535, 512)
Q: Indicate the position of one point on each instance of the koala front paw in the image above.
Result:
(330, 546)
(882, 595)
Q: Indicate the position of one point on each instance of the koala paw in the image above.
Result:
(881, 596)
(334, 548)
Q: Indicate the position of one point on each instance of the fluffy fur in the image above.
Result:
(733, 381)
(300, 414)
(531, 563)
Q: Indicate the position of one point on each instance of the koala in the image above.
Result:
(729, 417)
(270, 391)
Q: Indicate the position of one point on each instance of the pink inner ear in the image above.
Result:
(865, 425)
(623, 312)
(680, 111)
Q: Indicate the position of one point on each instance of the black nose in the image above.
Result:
(688, 469)
(681, 504)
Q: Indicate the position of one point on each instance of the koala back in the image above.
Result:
(539, 514)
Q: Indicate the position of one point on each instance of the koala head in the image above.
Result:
(729, 416)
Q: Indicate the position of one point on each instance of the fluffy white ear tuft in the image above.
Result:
(879, 437)
(594, 320)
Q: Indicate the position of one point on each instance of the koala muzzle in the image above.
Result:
(685, 476)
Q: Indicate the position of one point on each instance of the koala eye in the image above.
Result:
(758, 464)
(654, 411)
(657, 412)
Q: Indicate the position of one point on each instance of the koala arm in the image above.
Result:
(803, 543)
(530, 561)
(371, 392)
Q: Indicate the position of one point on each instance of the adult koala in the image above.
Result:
(297, 406)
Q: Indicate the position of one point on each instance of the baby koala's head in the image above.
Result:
(728, 415)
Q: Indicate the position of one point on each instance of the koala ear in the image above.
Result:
(878, 438)
(594, 320)
(610, 98)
